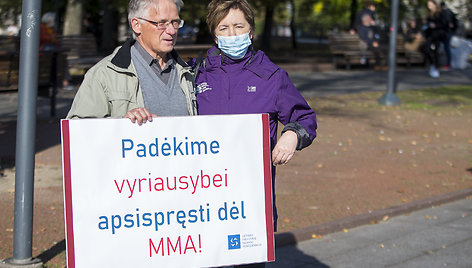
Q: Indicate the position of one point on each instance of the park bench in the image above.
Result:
(346, 47)
(192, 50)
(50, 72)
(81, 51)
(9, 49)
(407, 56)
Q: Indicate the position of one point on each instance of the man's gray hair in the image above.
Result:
(140, 8)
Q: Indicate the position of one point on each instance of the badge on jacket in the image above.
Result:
(203, 87)
(251, 89)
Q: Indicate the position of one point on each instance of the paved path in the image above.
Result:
(318, 84)
(435, 237)
(313, 84)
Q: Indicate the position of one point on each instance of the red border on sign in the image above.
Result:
(68, 194)
(268, 188)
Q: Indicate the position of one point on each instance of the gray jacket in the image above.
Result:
(111, 88)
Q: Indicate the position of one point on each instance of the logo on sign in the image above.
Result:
(234, 241)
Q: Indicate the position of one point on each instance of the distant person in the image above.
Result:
(412, 36)
(369, 10)
(48, 35)
(451, 27)
(436, 29)
(144, 77)
(370, 40)
(48, 41)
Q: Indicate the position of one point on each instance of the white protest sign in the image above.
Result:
(175, 192)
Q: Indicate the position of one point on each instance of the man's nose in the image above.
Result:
(170, 29)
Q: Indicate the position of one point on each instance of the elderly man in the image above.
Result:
(144, 77)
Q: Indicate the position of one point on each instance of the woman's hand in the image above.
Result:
(285, 148)
(140, 115)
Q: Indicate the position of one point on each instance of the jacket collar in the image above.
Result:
(258, 63)
(122, 58)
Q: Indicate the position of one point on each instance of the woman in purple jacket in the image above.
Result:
(234, 79)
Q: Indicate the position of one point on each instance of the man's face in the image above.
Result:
(154, 40)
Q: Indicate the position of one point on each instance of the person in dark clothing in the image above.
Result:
(451, 26)
(412, 36)
(369, 9)
(435, 32)
(370, 39)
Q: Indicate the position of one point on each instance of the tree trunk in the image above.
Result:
(266, 35)
(353, 14)
(109, 38)
(293, 28)
(73, 18)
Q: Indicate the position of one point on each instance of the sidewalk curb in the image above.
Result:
(291, 238)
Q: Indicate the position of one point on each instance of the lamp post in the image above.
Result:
(26, 125)
(390, 98)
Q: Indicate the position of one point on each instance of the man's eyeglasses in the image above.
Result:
(162, 25)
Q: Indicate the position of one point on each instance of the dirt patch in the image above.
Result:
(365, 158)
(368, 157)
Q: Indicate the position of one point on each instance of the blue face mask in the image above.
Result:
(234, 47)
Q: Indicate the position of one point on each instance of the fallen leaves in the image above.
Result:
(316, 236)
(383, 138)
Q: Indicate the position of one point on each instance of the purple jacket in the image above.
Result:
(254, 85)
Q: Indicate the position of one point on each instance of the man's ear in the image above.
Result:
(136, 26)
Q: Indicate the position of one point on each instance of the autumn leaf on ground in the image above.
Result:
(315, 236)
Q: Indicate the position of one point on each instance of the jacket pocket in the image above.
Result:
(120, 103)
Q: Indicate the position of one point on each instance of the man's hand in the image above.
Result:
(285, 148)
(140, 115)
